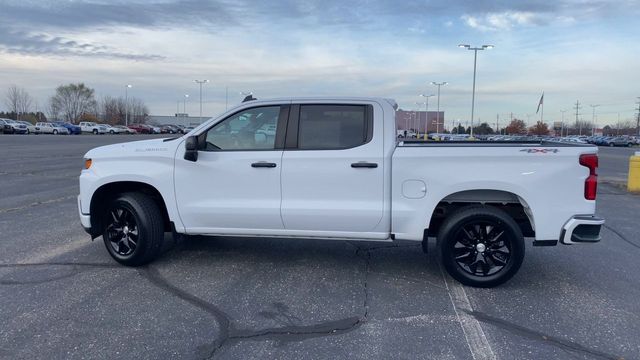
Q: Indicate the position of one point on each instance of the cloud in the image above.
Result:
(25, 43)
(511, 19)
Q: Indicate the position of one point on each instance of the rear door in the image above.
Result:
(332, 169)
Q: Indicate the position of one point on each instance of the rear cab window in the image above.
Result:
(334, 127)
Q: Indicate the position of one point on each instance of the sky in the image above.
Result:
(572, 50)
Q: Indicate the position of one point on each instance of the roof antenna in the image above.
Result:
(249, 98)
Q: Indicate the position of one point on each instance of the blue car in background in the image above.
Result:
(73, 129)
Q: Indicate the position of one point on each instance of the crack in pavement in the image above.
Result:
(228, 333)
(539, 336)
(624, 238)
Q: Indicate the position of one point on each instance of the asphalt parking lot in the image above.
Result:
(62, 297)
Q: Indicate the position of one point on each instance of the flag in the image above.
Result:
(540, 102)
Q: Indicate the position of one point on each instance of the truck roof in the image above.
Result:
(390, 101)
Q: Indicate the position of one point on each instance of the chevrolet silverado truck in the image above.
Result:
(332, 168)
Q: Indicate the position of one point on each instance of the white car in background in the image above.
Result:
(112, 129)
(125, 130)
(50, 128)
(31, 128)
(91, 127)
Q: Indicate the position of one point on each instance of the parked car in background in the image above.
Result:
(5, 127)
(156, 129)
(73, 129)
(141, 128)
(31, 128)
(112, 129)
(51, 128)
(125, 130)
(91, 127)
(13, 127)
(170, 129)
(616, 141)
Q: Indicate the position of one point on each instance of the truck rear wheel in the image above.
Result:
(134, 230)
(481, 246)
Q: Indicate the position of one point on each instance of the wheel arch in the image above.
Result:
(105, 193)
(511, 203)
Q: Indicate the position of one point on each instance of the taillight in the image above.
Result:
(591, 183)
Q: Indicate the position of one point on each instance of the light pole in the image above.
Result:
(200, 82)
(126, 104)
(426, 111)
(562, 123)
(438, 113)
(593, 119)
(184, 106)
(475, 58)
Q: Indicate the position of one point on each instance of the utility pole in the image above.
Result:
(638, 118)
(497, 120)
(126, 104)
(593, 118)
(577, 107)
(562, 122)
(200, 82)
(438, 113)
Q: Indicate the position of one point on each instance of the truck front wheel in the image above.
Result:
(481, 246)
(134, 230)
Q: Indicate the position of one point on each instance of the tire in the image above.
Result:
(611, 144)
(55, 132)
(28, 132)
(111, 132)
(134, 232)
(95, 131)
(494, 255)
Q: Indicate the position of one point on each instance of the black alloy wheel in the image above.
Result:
(133, 229)
(481, 246)
(122, 232)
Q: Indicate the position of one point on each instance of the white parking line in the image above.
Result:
(473, 333)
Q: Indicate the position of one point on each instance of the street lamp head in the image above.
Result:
(489, 47)
(129, 86)
(186, 95)
(201, 81)
(464, 46)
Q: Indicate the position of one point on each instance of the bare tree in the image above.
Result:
(73, 101)
(114, 110)
(18, 100)
(53, 109)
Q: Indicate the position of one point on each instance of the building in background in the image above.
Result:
(415, 120)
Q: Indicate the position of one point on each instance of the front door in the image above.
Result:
(235, 182)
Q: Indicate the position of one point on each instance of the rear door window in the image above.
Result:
(332, 127)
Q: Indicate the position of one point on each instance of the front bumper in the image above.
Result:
(581, 230)
(85, 219)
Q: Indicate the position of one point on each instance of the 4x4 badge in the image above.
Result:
(542, 151)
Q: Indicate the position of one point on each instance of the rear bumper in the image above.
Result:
(581, 230)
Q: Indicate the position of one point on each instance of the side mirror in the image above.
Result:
(191, 148)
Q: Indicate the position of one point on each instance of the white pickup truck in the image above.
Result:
(333, 169)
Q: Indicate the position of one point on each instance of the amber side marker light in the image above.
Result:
(87, 163)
